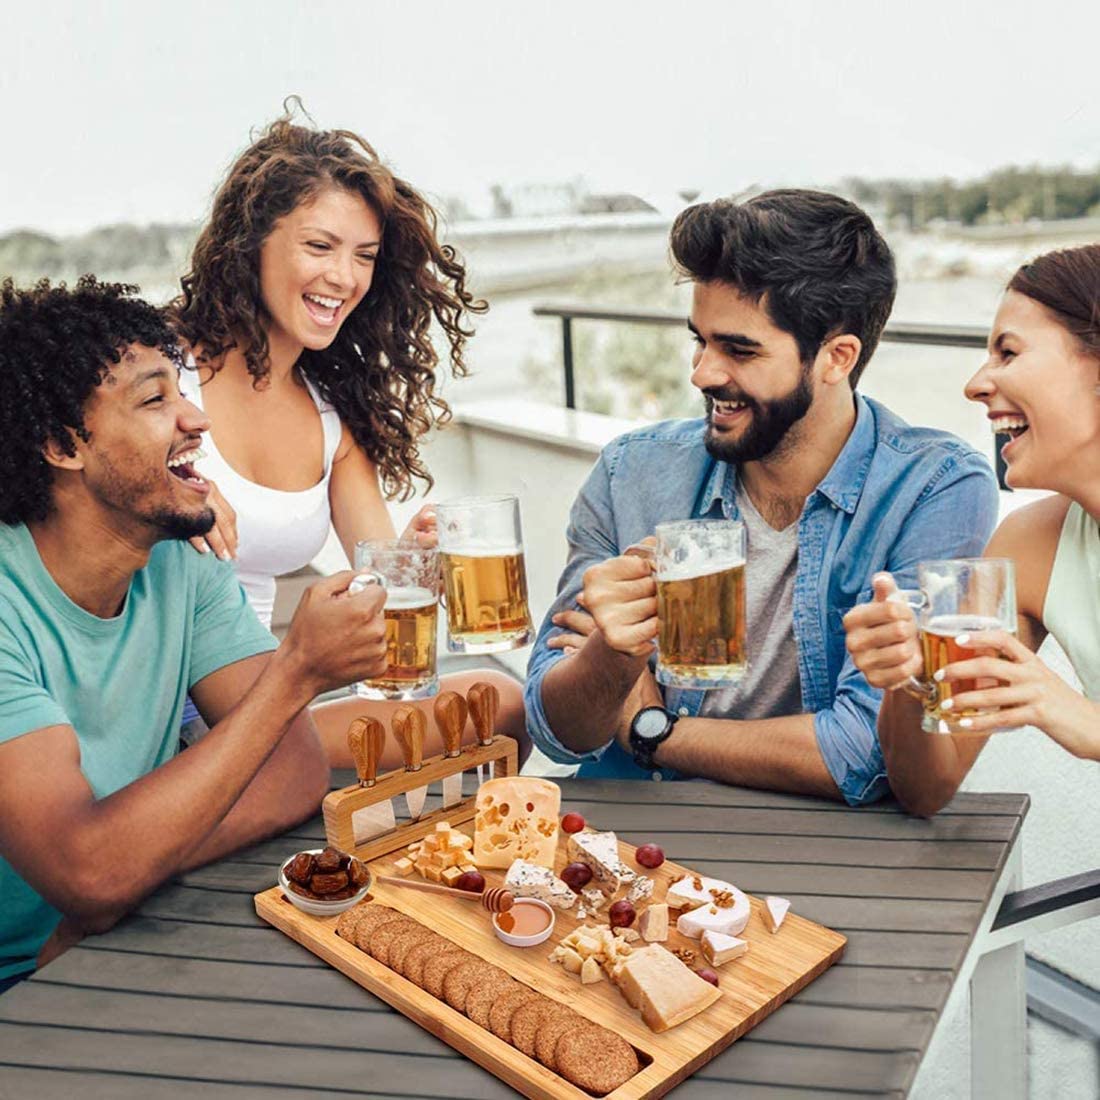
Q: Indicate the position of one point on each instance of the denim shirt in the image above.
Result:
(895, 496)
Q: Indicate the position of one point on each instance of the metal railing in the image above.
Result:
(948, 336)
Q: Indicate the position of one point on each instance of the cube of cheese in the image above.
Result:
(450, 876)
(653, 923)
(403, 866)
(600, 851)
(443, 833)
(719, 949)
(516, 818)
(591, 972)
(431, 843)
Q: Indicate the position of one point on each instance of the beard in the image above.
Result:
(769, 423)
(131, 496)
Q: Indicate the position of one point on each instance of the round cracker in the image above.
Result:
(369, 921)
(404, 943)
(551, 1030)
(412, 967)
(500, 1015)
(381, 939)
(480, 999)
(528, 1018)
(459, 980)
(435, 969)
(595, 1059)
(345, 925)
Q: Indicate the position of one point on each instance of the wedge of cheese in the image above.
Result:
(653, 923)
(719, 949)
(692, 891)
(713, 918)
(665, 990)
(516, 818)
(600, 851)
(532, 880)
(775, 912)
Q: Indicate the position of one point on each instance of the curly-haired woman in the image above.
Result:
(307, 310)
(1041, 384)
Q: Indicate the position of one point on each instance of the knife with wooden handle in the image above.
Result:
(484, 702)
(450, 717)
(409, 727)
(366, 738)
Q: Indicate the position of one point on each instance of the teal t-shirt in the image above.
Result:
(120, 683)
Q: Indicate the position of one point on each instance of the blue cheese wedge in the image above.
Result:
(641, 890)
(600, 851)
(531, 880)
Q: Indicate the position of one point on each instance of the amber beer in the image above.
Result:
(940, 647)
(486, 599)
(412, 616)
(701, 626)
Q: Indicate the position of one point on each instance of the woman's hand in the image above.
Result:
(1028, 694)
(882, 637)
(222, 537)
(576, 626)
(422, 529)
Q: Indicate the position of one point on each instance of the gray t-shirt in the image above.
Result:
(772, 686)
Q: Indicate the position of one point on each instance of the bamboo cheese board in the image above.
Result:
(776, 966)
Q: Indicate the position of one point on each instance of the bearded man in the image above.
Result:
(792, 290)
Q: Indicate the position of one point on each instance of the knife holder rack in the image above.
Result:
(339, 806)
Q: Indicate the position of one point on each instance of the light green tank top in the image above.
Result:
(1072, 609)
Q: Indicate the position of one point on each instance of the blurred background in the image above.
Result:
(558, 143)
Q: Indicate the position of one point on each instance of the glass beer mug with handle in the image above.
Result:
(957, 598)
(410, 575)
(700, 567)
(484, 577)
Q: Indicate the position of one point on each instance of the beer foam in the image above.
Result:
(951, 626)
(477, 548)
(699, 565)
(403, 599)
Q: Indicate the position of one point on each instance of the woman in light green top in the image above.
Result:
(1041, 384)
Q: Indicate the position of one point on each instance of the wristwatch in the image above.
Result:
(649, 728)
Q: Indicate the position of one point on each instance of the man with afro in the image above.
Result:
(108, 620)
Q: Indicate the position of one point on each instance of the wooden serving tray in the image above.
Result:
(776, 967)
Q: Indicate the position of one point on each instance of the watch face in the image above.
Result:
(651, 722)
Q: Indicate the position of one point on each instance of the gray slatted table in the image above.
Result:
(195, 992)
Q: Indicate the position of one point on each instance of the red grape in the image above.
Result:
(621, 914)
(473, 881)
(572, 823)
(577, 876)
(650, 855)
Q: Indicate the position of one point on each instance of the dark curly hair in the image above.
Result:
(380, 371)
(816, 261)
(56, 347)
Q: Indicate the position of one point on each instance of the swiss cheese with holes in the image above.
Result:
(516, 818)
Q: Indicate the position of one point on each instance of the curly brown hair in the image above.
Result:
(380, 371)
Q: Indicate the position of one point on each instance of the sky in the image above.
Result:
(124, 111)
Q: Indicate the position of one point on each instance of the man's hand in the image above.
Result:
(621, 596)
(335, 637)
(222, 537)
(883, 638)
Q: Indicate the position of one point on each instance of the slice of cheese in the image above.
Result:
(600, 851)
(775, 912)
(532, 880)
(666, 991)
(729, 921)
(719, 949)
(653, 923)
(516, 818)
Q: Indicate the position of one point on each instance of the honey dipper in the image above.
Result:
(494, 899)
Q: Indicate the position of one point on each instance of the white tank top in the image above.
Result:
(279, 531)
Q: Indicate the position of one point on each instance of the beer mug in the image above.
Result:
(700, 565)
(410, 575)
(484, 579)
(954, 598)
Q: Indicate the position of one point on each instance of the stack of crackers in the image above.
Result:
(585, 1054)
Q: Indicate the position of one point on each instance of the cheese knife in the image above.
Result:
(409, 727)
(366, 736)
(450, 717)
(484, 702)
